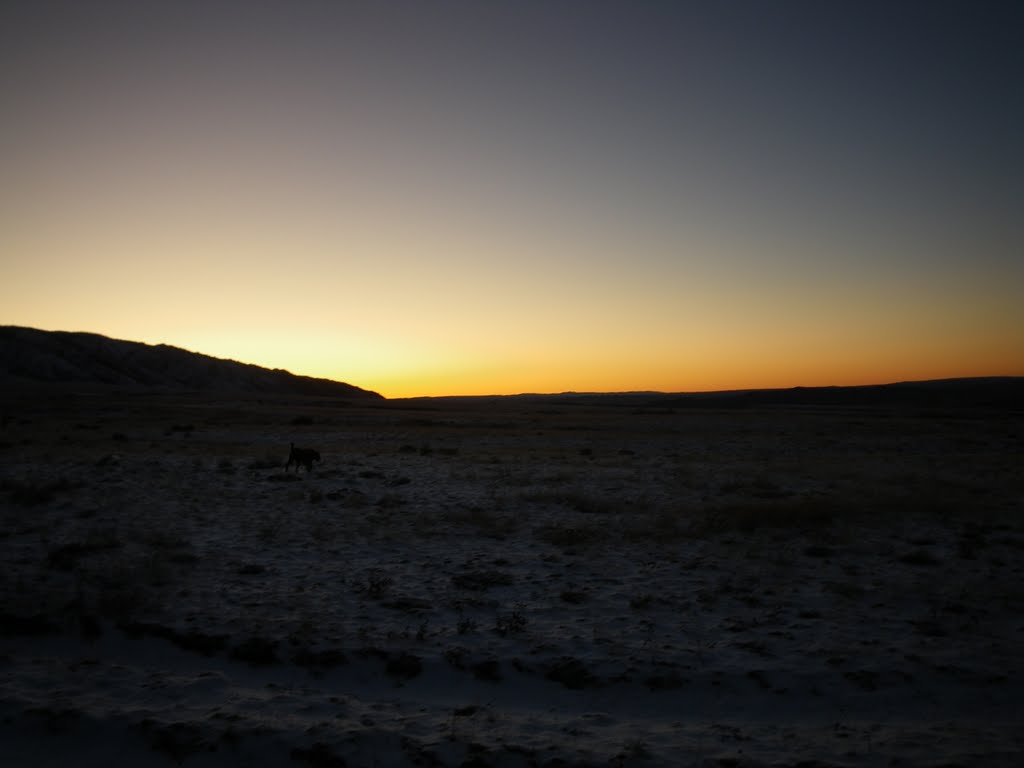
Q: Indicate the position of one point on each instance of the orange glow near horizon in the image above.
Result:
(552, 321)
(757, 364)
(662, 198)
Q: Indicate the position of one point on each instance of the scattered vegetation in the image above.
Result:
(685, 559)
(376, 584)
(572, 673)
(466, 626)
(510, 623)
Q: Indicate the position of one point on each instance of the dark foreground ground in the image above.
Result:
(520, 582)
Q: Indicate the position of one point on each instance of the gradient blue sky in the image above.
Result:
(495, 197)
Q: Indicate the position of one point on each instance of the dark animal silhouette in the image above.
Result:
(301, 457)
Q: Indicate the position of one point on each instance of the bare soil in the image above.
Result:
(520, 582)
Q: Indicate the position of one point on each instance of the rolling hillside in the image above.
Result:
(29, 356)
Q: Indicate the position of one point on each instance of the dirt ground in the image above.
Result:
(508, 581)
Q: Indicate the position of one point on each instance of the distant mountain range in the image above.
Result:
(939, 395)
(997, 392)
(983, 392)
(33, 357)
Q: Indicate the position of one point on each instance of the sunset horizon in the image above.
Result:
(461, 199)
(512, 383)
(697, 384)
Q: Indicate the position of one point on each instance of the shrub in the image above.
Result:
(511, 623)
(377, 584)
(571, 673)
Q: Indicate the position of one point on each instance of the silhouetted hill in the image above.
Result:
(30, 356)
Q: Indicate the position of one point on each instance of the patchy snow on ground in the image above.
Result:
(508, 583)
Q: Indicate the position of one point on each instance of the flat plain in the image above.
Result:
(508, 582)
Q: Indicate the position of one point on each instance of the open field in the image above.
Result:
(508, 582)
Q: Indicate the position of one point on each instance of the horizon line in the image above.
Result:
(559, 393)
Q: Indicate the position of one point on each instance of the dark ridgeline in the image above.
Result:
(937, 396)
(31, 357)
(1001, 392)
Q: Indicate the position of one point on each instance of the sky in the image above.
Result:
(493, 197)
